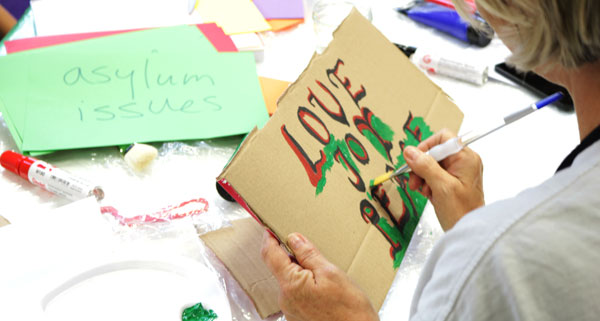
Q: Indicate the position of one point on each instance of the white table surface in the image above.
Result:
(520, 156)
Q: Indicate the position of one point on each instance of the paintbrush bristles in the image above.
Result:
(382, 178)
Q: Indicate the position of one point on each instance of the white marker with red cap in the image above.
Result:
(49, 177)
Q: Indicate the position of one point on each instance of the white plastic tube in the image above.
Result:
(464, 71)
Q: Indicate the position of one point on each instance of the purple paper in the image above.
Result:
(15, 7)
(280, 9)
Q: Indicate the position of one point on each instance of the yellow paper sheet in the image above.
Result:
(234, 16)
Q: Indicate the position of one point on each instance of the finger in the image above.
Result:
(306, 253)
(426, 167)
(438, 138)
(289, 317)
(426, 191)
(414, 181)
(465, 165)
(275, 258)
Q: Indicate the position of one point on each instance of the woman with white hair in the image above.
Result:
(533, 257)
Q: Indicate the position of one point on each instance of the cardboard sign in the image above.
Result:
(345, 121)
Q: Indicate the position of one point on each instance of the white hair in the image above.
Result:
(566, 32)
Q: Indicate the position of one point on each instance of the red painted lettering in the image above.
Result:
(313, 169)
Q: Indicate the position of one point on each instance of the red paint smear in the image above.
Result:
(213, 33)
(169, 213)
(229, 189)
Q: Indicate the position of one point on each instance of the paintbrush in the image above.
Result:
(456, 144)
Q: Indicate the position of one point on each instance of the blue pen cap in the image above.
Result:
(549, 100)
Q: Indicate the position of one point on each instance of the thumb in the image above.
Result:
(426, 167)
(306, 253)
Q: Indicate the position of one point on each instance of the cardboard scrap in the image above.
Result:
(238, 248)
(345, 121)
(3, 221)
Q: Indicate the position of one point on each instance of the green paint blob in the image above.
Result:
(343, 163)
(329, 150)
(385, 132)
(398, 258)
(375, 142)
(198, 313)
(369, 190)
(411, 140)
(418, 200)
(382, 128)
(414, 217)
(357, 149)
(394, 233)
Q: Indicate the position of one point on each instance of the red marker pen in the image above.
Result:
(49, 177)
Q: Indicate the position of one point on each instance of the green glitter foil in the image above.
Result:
(198, 313)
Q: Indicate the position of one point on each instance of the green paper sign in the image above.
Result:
(154, 85)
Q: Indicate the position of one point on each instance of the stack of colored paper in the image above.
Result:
(142, 86)
(243, 16)
(56, 17)
(281, 14)
(234, 16)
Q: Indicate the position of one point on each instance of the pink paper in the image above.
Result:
(280, 9)
(46, 41)
(213, 33)
(217, 37)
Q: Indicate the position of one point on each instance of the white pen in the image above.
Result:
(456, 144)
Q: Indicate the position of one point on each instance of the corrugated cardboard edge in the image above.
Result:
(240, 200)
(299, 77)
(238, 248)
(236, 196)
(3, 221)
(239, 150)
